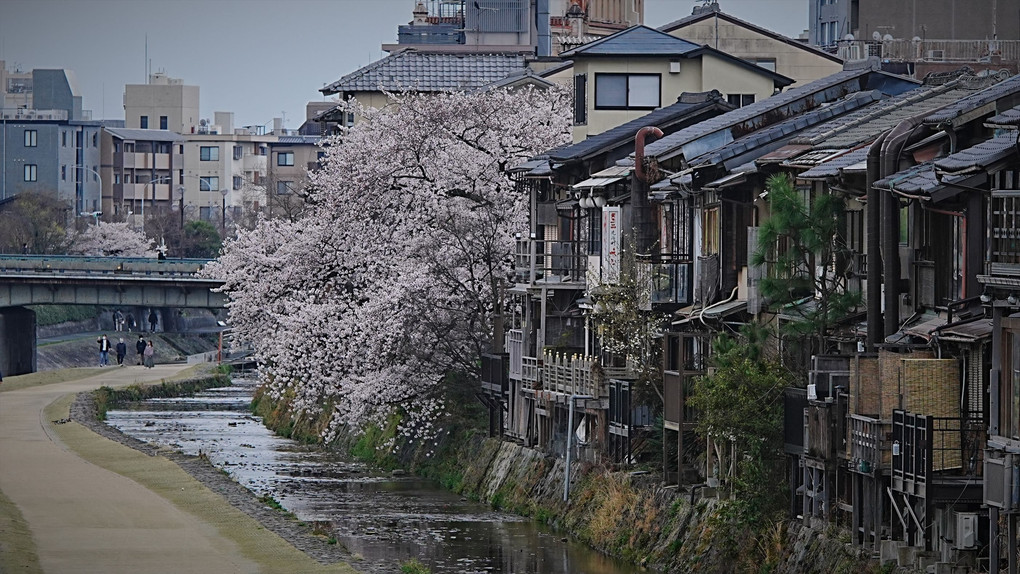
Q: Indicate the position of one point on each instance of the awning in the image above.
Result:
(604, 178)
(925, 325)
(727, 181)
(567, 204)
(723, 310)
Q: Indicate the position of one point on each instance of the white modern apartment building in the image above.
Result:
(164, 103)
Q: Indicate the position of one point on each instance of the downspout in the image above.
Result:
(874, 277)
(639, 191)
(891, 148)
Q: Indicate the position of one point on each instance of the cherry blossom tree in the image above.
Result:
(388, 282)
(110, 240)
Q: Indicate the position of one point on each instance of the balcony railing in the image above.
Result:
(931, 50)
(866, 449)
(555, 261)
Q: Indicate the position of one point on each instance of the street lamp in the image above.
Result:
(81, 205)
(223, 212)
(180, 200)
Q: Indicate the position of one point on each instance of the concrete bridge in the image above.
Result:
(107, 281)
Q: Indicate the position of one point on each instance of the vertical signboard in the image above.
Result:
(611, 245)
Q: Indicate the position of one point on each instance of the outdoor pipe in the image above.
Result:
(643, 223)
(874, 277)
(639, 150)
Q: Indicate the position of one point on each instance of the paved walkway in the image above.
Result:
(85, 518)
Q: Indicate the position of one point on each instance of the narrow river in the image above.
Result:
(384, 519)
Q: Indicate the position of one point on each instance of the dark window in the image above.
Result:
(285, 158)
(627, 91)
(63, 138)
(283, 187)
(237, 182)
(95, 140)
(209, 153)
(209, 183)
(163, 122)
(31, 172)
(63, 173)
(238, 152)
(143, 122)
(740, 100)
(580, 99)
(31, 138)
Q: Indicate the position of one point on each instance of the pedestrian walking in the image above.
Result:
(118, 320)
(104, 351)
(153, 319)
(140, 348)
(148, 353)
(131, 324)
(121, 352)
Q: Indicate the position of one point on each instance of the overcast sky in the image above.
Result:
(257, 58)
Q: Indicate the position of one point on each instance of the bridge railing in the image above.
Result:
(80, 265)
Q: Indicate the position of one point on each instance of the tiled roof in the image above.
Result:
(677, 24)
(411, 69)
(635, 41)
(762, 113)
(916, 180)
(146, 135)
(980, 156)
(976, 100)
(689, 105)
(1010, 117)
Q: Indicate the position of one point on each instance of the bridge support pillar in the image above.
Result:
(17, 341)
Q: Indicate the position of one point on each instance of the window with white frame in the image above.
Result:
(209, 153)
(31, 172)
(285, 158)
(31, 138)
(209, 183)
(627, 91)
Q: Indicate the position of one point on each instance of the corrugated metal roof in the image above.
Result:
(146, 135)
(760, 113)
(832, 167)
(689, 106)
(979, 157)
(775, 136)
(411, 69)
(967, 332)
(976, 100)
(866, 124)
(635, 41)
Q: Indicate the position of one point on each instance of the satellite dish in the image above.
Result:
(204, 122)
(849, 37)
(887, 38)
(915, 39)
(876, 35)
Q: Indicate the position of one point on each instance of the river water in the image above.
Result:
(384, 519)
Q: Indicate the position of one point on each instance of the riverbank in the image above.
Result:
(629, 515)
(77, 501)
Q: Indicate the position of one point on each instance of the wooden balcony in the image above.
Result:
(868, 452)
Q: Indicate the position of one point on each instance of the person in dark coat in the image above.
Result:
(104, 351)
(153, 319)
(140, 348)
(121, 352)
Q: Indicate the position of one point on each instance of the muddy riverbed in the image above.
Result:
(382, 519)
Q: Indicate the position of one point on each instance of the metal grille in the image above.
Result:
(496, 15)
(1005, 226)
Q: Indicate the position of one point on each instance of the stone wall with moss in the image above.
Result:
(624, 514)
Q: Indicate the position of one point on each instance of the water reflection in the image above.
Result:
(384, 519)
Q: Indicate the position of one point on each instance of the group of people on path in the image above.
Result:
(122, 323)
(143, 348)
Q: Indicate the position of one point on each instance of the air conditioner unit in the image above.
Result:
(966, 530)
(854, 52)
(937, 55)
